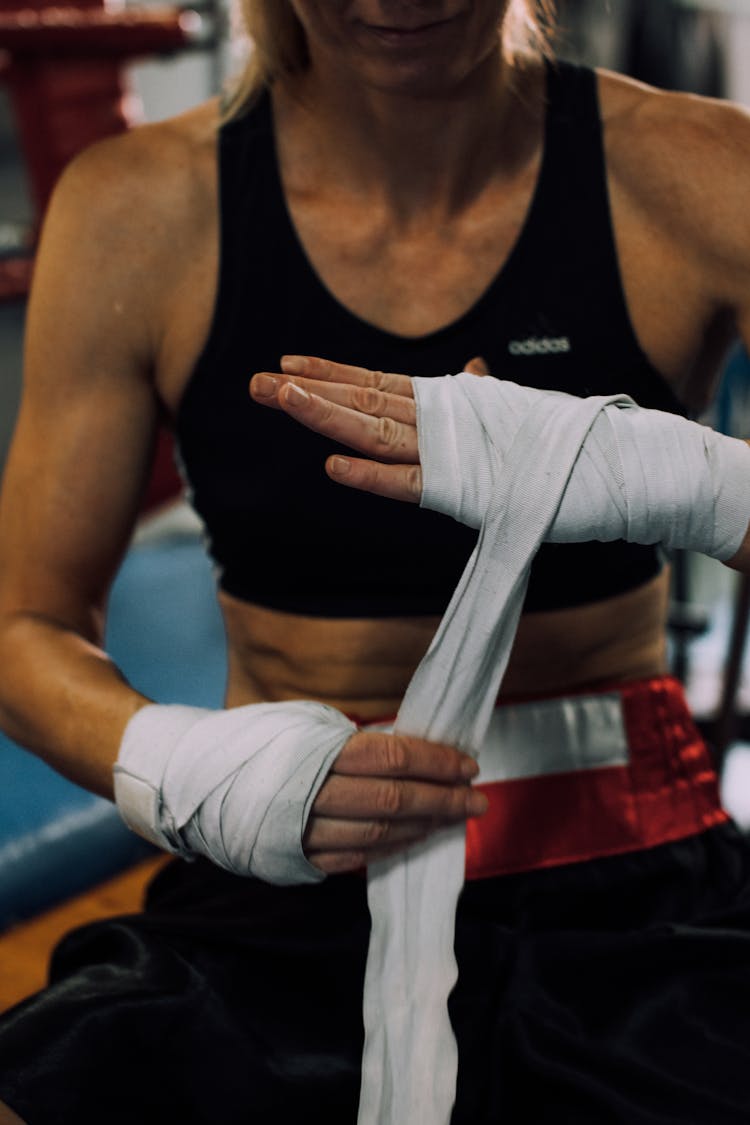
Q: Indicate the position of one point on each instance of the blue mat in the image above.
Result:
(166, 634)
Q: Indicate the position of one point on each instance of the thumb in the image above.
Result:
(477, 366)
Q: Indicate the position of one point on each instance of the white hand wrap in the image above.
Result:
(642, 475)
(235, 786)
(410, 1059)
(522, 466)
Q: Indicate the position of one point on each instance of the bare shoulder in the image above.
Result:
(684, 161)
(126, 217)
(163, 172)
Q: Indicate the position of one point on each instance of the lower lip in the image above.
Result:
(415, 37)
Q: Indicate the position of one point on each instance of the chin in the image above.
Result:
(436, 80)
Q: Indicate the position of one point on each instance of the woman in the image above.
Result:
(415, 189)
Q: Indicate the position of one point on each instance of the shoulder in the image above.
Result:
(677, 141)
(684, 162)
(163, 171)
(126, 217)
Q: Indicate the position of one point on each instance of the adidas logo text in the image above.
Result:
(540, 345)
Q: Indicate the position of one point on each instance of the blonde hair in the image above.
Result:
(279, 48)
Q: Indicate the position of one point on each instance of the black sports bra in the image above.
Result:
(554, 317)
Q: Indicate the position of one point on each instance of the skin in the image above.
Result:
(393, 198)
(8, 1117)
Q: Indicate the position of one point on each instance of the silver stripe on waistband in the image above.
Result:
(554, 736)
(549, 736)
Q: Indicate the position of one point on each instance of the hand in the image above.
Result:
(371, 411)
(384, 793)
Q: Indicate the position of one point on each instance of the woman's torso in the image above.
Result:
(363, 662)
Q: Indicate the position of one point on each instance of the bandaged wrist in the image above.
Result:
(642, 475)
(236, 786)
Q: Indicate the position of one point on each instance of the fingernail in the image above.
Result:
(293, 364)
(265, 385)
(296, 395)
(477, 803)
(469, 767)
(340, 466)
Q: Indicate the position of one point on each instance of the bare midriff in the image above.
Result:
(363, 666)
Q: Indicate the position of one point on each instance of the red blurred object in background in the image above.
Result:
(63, 68)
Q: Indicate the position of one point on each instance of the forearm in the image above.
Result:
(641, 475)
(64, 699)
(651, 477)
(741, 560)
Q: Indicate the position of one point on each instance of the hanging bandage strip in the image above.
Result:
(410, 1057)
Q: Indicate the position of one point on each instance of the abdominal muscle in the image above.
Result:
(362, 666)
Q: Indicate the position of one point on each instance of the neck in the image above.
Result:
(421, 154)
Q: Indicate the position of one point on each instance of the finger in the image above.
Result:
(370, 798)
(328, 371)
(477, 366)
(377, 753)
(265, 387)
(338, 863)
(382, 438)
(390, 754)
(396, 482)
(336, 834)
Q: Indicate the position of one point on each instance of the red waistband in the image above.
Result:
(664, 789)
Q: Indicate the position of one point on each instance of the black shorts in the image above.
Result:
(616, 990)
